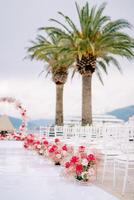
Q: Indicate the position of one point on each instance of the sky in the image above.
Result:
(19, 78)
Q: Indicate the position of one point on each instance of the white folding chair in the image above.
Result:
(125, 161)
(111, 148)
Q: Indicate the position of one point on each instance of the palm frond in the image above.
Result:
(116, 25)
(70, 23)
(54, 20)
(102, 65)
(99, 75)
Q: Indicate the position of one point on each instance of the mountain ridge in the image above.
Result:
(122, 113)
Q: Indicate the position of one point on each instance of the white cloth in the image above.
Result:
(27, 176)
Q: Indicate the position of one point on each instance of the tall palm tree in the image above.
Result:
(94, 45)
(46, 50)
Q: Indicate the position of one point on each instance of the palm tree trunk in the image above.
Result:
(86, 100)
(59, 105)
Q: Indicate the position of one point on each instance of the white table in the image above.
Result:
(25, 176)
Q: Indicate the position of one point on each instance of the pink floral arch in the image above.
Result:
(21, 110)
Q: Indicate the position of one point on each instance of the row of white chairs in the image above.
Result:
(90, 133)
(115, 145)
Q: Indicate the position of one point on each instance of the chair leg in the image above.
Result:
(114, 176)
(125, 179)
(96, 172)
(104, 168)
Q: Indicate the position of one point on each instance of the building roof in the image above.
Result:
(5, 124)
(96, 118)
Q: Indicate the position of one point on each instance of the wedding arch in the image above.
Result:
(19, 108)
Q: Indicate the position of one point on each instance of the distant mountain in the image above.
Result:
(123, 113)
(15, 121)
(31, 124)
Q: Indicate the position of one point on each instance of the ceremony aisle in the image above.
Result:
(24, 175)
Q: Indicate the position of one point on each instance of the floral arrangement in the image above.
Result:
(44, 147)
(59, 152)
(36, 144)
(19, 136)
(82, 167)
(29, 141)
(55, 154)
(21, 110)
(12, 136)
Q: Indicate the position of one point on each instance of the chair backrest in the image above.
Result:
(58, 131)
(127, 143)
(68, 132)
(110, 137)
(131, 133)
(130, 145)
(50, 131)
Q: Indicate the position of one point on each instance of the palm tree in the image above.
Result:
(57, 65)
(94, 45)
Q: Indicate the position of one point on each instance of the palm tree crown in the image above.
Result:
(47, 51)
(97, 39)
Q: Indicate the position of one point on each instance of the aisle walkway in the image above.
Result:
(26, 176)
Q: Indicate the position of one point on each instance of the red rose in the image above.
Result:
(45, 142)
(64, 147)
(74, 159)
(81, 148)
(55, 147)
(37, 142)
(57, 140)
(51, 150)
(90, 157)
(30, 141)
(67, 164)
(79, 168)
